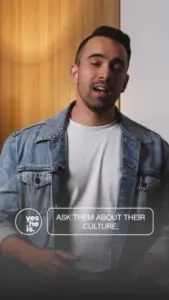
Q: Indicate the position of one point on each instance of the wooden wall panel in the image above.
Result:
(38, 41)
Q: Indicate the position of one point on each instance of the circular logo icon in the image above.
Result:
(28, 221)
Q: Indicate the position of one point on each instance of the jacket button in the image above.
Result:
(60, 168)
(37, 180)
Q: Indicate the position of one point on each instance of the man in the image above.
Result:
(92, 156)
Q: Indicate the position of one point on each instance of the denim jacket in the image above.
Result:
(41, 150)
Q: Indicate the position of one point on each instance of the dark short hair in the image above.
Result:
(110, 32)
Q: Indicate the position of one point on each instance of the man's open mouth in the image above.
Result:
(102, 90)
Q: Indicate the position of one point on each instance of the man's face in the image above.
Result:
(101, 75)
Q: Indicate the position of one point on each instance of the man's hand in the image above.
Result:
(51, 265)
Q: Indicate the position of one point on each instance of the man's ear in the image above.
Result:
(74, 73)
(125, 83)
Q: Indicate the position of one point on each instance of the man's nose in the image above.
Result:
(105, 72)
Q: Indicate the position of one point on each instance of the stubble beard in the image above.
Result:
(99, 106)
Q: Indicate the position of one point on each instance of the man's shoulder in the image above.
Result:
(142, 132)
(158, 146)
(47, 124)
(30, 128)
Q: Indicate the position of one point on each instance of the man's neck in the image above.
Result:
(83, 115)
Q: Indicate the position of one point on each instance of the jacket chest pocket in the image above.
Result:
(146, 202)
(148, 191)
(35, 190)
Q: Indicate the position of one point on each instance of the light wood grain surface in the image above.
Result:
(38, 41)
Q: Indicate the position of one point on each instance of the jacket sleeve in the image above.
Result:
(160, 248)
(9, 203)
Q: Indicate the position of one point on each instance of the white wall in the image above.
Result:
(146, 99)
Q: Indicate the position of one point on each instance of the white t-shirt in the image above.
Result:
(94, 168)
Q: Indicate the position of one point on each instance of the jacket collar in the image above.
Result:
(56, 126)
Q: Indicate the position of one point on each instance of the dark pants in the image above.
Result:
(18, 279)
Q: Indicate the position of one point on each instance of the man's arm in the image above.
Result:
(155, 264)
(47, 264)
(160, 248)
(9, 200)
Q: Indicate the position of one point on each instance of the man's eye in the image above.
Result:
(117, 67)
(96, 64)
